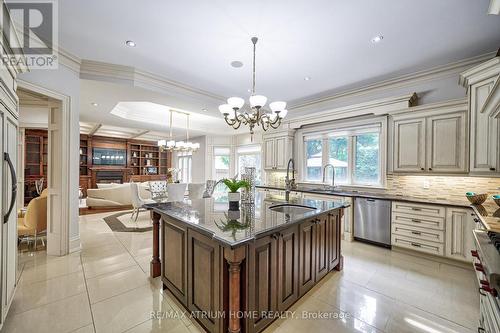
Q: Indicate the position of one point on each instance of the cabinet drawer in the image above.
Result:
(420, 209)
(418, 245)
(417, 220)
(418, 233)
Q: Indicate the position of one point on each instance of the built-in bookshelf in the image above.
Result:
(36, 148)
(147, 159)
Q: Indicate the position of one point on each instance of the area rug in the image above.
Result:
(122, 222)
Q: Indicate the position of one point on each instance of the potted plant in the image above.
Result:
(234, 196)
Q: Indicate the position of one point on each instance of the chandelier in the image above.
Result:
(181, 146)
(256, 115)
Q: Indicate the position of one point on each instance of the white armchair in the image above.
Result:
(175, 192)
(137, 201)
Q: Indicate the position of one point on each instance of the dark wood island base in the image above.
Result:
(242, 288)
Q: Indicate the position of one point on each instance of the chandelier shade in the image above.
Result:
(172, 145)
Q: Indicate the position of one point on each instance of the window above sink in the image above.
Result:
(357, 151)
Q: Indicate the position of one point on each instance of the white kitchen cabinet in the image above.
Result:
(439, 230)
(9, 113)
(431, 139)
(459, 241)
(278, 149)
(484, 129)
(409, 145)
(446, 143)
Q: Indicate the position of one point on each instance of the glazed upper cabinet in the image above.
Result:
(480, 82)
(431, 139)
(409, 145)
(278, 149)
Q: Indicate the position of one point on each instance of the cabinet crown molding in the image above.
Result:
(480, 72)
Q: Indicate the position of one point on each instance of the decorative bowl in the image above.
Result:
(496, 198)
(476, 199)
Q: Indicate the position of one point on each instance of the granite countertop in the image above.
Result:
(489, 214)
(375, 195)
(234, 228)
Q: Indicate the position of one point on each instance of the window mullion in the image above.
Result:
(325, 149)
(350, 160)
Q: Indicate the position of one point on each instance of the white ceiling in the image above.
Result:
(194, 41)
(154, 106)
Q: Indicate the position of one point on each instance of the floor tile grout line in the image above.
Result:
(88, 295)
(407, 304)
(121, 293)
(48, 303)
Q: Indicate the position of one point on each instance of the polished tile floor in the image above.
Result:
(105, 288)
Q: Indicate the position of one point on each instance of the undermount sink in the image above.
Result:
(291, 209)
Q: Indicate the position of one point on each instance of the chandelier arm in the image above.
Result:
(276, 124)
(230, 122)
(264, 124)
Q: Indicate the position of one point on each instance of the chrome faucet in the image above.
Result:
(333, 175)
(289, 183)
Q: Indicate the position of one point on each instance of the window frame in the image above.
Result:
(246, 150)
(350, 129)
(189, 158)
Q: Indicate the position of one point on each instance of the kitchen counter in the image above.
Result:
(375, 195)
(220, 262)
(235, 228)
(489, 215)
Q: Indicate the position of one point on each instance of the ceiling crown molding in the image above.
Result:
(398, 82)
(101, 71)
(376, 107)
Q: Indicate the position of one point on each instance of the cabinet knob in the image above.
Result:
(430, 169)
(422, 169)
(492, 169)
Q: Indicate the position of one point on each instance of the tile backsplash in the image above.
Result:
(450, 188)
(441, 187)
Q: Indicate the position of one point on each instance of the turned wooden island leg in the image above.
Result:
(155, 268)
(340, 265)
(234, 259)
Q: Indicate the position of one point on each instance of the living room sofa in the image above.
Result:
(114, 195)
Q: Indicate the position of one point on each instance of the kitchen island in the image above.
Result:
(236, 271)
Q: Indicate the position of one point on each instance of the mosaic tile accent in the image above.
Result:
(448, 188)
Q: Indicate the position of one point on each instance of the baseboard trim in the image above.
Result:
(74, 244)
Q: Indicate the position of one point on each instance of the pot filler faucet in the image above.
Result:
(332, 188)
(289, 183)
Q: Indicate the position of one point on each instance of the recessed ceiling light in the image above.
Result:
(130, 43)
(236, 64)
(307, 78)
(94, 104)
(377, 39)
(204, 110)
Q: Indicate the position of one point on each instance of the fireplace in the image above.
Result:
(107, 176)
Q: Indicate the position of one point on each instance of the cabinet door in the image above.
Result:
(262, 281)
(9, 227)
(281, 153)
(484, 131)
(459, 238)
(269, 154)
(446, 143)
(288, 268)
(174, 256)
(409, 145)
(322, 244)
(333, 232)
(307, 256)
(204, 277)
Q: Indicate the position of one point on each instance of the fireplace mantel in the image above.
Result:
(125, 173)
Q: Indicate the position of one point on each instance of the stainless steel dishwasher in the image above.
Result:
(372, 221)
